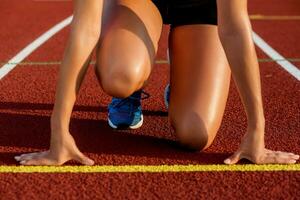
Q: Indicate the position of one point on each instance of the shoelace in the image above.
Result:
(130, 98)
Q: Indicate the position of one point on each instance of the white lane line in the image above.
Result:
(11, 64)
(5, 69)
(285, 64)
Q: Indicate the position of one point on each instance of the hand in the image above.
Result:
(253, 149)
(62, 149)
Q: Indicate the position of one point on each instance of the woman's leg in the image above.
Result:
(200, 79)
(127, 49)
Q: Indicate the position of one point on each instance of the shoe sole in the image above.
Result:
(138, 125)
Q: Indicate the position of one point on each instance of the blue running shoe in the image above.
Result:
(167, 96)
(127, 112)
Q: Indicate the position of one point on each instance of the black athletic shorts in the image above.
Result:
(187, 12)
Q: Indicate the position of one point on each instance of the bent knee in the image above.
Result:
(121, 82)
(120, 86)
(192, 131)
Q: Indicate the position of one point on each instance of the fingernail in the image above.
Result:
(17, 158)
(227, 161)
(22, 162)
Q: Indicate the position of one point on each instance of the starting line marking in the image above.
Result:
(150, 168)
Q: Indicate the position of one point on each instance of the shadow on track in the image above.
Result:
(22, 133)
(40, 107)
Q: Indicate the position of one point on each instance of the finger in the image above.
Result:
(292, 154)
(22, 156)
(32, 155)
(280, 152)
(296, 157)
(39, 161)
(286, 156)
(28, 156)
(233, 159)
(291, 158)
(275, 159)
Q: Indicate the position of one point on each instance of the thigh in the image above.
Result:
(200, 76)
(130, 38)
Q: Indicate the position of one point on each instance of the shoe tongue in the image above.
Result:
(133, 99)
(136, 95)
(125, 104)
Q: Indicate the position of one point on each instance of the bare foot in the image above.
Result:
(62, 149)
(253, 149)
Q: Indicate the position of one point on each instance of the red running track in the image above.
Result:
(26, 100)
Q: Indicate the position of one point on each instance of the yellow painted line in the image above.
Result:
(149, 168)
(274, 17)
